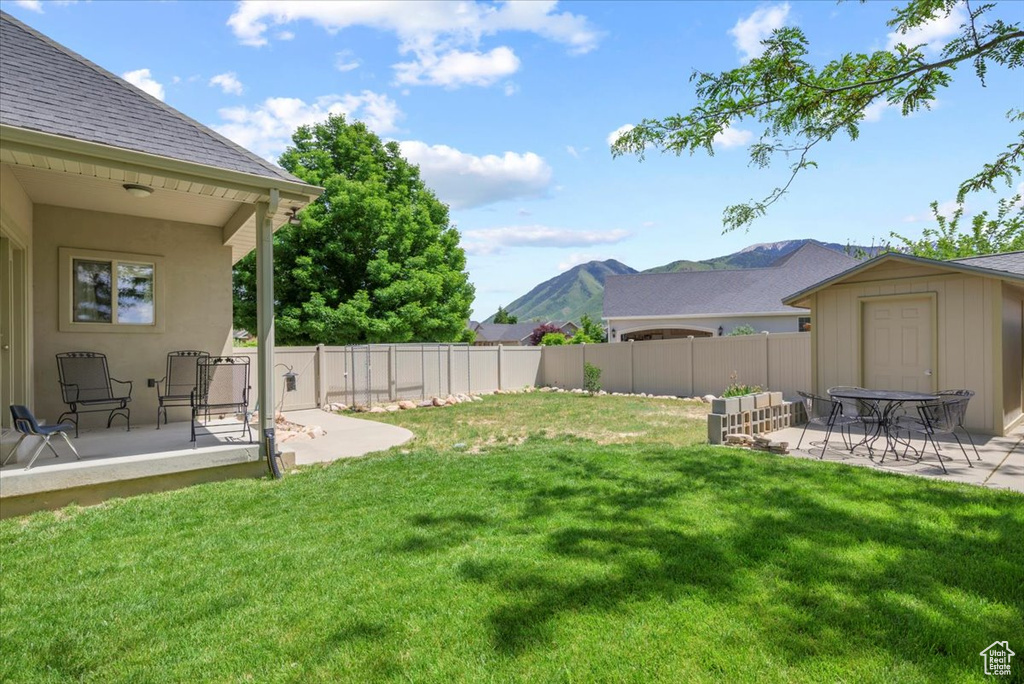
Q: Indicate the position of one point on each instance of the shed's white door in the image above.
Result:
(897, 344)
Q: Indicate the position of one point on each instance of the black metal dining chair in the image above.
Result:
(960, 412)
(864, 412)
(823, 411)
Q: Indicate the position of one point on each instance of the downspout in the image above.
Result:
(265, 212)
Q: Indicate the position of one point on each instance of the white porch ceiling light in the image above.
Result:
(136, 190)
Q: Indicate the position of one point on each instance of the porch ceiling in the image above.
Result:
(73, 180)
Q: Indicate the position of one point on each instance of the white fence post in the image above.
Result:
(501, 356)
(632, 385)
(450, 392)
(392, 373)
(320, 376)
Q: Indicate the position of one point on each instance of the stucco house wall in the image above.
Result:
(197, 306)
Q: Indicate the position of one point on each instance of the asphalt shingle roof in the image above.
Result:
(508, 332)
(46, 87)
(1007, 262)
(750, 290)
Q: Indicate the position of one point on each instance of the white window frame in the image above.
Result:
(67, 322)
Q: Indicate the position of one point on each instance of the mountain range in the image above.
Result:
(580, 290)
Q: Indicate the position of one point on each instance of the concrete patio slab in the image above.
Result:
(346, 437)
(1001, 465)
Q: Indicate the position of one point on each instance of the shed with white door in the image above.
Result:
(906, 322)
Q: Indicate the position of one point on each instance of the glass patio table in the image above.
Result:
(885, 404)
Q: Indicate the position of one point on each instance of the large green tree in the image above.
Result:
(375, 258)
(799, 105)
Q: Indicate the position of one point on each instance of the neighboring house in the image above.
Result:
(661, 306)
(120, 219)
(514, 334)
(905, 322)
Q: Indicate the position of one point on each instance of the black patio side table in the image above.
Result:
(887, 402)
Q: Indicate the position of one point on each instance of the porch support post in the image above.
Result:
(265, 316)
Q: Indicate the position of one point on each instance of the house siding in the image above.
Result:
(772, 324)
(966, 328)
(1013, 354)
(197, 301)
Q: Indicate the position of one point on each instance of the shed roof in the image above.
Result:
(48, 88)
(739, 291)
(1005, 266)
(1007, 262)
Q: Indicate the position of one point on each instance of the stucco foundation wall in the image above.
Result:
(772, 324)
(197, 301)
(967, 326)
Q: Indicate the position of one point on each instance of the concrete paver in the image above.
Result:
(1001, 465)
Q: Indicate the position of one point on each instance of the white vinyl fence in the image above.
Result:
(380, 373)
(779, 362)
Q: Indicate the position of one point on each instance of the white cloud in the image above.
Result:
(345, 61)
(748, 33)
(945, 209)
(266, 129)
(873, 112)
(285, 35)
(732, 137)
(511, 89)
(466, 180)
(576, 258)
(614, 135)
(931, 34)
(456, 68)
(142, 79)
(648, 224)
(572, 151)
(493, 240)
(443, 37)
(228, 82)
(37, 5)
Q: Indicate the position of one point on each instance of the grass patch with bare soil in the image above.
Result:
(585, 540)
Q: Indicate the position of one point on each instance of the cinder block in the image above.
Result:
(724, 407)
(762, 400)
(747, 402)
(718, 427)
(776, 398)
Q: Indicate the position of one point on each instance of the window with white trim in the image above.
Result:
(108, 291)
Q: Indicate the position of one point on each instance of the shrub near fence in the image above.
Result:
(368, 374)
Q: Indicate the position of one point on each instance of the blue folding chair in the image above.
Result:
(26, 424)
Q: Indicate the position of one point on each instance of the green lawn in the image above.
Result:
(536, 538)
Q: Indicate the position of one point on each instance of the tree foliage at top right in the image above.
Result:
(799, 105)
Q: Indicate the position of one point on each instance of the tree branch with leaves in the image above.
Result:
(799, 105)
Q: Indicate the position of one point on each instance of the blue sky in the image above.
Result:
(508, 109)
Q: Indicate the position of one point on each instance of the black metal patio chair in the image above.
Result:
(26, 425)
(175, 388)
(222, 386)
(863, 412)
(960, 412)
(823, 411)
(86, 387)
(940, 417)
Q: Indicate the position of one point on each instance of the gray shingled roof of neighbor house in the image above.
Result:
(1007, 262)
(739, 291)
(48, 88)
(507, 332)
